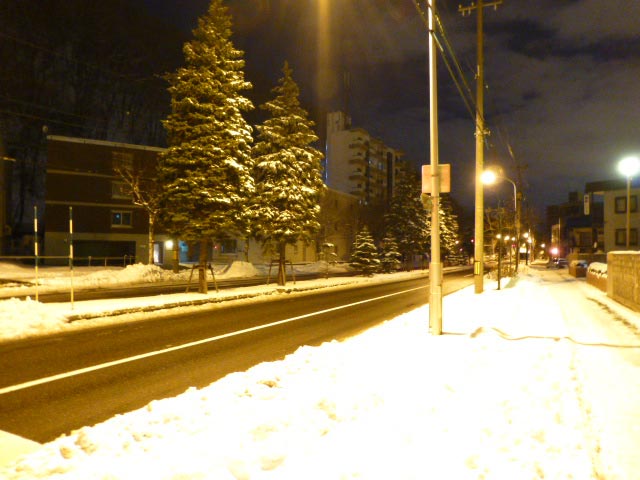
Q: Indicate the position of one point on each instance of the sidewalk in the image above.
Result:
(537, 380)
(608, 368)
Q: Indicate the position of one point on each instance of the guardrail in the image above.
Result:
(38, 260)
(90, 261)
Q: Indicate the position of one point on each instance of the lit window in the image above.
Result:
(120, 218)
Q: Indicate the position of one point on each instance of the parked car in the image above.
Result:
(562, 263)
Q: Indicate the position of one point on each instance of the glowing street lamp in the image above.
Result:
(629, 166)
(489, 177)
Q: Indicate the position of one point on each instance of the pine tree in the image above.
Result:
(364, 255)
(449, 227)
(391, 258)
(287, 173)
(407, 218)
(206, 171)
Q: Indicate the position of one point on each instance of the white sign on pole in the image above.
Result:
(444, 171)
(587, 203)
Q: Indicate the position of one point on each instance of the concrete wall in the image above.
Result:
(623, 277)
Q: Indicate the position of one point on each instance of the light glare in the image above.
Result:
(488, 177)
(629, 166)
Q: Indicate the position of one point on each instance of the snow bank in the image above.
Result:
(25, 318)
(494, 397)
(597, 270)
(241, 270)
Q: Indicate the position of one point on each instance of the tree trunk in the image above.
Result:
(151, 237)
(282, 274)
(176, 255)
(246, 249)
(202, 267)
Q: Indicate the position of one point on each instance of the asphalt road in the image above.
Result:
(52, 385)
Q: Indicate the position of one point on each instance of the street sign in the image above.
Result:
(587, 204)
(444, 172)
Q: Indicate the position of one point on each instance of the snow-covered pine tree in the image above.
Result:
(364, 254)
(406, 219)
(391, 258)
(449, 227)
(206, 171)
(287, 173)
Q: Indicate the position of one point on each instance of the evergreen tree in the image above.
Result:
(406, 220)
(364, 255)
(449, 228)
(206, 171)
(391, 258)
(287, 173)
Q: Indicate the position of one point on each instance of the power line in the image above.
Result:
(64, 57)
(45, 107)
(456, 74)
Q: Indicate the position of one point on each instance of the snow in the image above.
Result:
(498, 396)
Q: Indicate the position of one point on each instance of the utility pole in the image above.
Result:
(435, 266)
(478, 262)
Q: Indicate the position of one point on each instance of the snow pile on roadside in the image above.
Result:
(95, 277)
(25, 318)
(137, 273)
(393, 402)
(598, 270)
(322, 266)
(240, 270)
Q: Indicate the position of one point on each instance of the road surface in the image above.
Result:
(52, 385)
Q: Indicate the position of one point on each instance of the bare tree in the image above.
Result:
(145, 191)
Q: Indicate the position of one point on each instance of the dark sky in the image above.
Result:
(562, 80)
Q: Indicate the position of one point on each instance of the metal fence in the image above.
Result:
(90, 261)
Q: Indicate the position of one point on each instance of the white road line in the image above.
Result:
(80, 371)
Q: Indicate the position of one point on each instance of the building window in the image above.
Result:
(122, 160)
(621, 236)
(120, 190)
(229, 246)
(621, 204)
(120, 218)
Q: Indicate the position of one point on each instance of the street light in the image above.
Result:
(489, 177)
(629, 166)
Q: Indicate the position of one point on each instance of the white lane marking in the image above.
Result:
(80, 371)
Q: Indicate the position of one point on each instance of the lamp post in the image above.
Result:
(629, 166)
(490, 177)
(506, 239)
(499, 237)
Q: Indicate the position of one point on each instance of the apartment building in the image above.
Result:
(596, 222)
(86, 198)
(85, 194)
(358, 163)
(615, 215)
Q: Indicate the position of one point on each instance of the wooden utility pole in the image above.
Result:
(478, 264)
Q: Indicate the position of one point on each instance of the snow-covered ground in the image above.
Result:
(498, 396)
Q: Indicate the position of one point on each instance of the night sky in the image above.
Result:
(562, 80)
